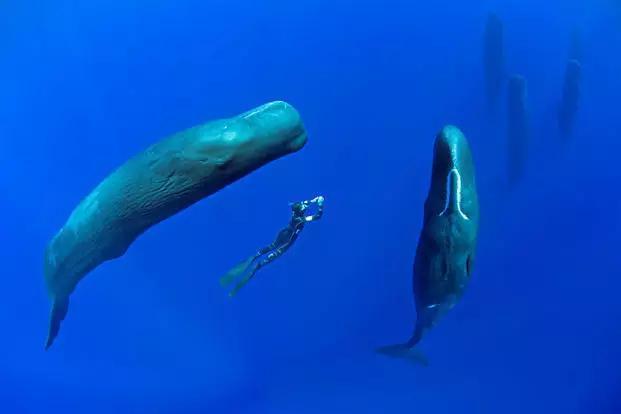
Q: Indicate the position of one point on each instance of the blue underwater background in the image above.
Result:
(87, 84)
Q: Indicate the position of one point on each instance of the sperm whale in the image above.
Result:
(159, 182)
(570, 100)
(517, 129)
(446, 248)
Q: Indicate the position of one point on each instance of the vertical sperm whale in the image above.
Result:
(517, 129)
(570, 98)
(493, 59)
(447, 242)
(159, 182)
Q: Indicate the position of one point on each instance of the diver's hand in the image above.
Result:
(318, 203)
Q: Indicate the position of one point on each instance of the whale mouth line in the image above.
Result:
(457, 195)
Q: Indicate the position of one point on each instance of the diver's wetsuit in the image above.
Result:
(284, 240)
(287, 236)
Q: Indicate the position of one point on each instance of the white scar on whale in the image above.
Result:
(457, 195)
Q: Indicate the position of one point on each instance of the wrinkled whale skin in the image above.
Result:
(163, 180)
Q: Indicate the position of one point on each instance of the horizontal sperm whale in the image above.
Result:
(159, 182)
(447, 242)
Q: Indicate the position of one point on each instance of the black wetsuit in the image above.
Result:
(287, 236)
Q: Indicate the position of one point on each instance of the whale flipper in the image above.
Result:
(57, 314)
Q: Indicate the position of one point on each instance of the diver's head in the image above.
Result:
(298, 208)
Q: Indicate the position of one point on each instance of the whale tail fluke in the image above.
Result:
(57, 314)
(404, 351)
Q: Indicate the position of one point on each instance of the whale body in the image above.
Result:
(446, 248)
(493, 59)
(159, 182)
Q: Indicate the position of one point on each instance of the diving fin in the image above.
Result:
(57, 314)
(236, 271)
(243, 282)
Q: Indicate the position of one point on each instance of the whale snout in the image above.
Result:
(278, 123)
(573, 70)
(255, 137)
(449, 145)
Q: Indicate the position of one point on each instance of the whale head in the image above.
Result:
(237, 146)
(452, 192)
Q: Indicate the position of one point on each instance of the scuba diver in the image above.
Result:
(300, 215)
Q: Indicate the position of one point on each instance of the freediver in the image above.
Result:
(300, 216)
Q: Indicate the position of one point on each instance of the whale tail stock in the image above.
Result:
(57, 314)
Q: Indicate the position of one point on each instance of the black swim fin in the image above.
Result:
(57, 315)
(236, 271)
(243, 282)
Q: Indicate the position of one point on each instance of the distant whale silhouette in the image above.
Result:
(570, 99)
(493, 59)
(166, 178)
(447, 243)
(517, 129)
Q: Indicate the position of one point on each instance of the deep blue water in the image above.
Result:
(85, 85)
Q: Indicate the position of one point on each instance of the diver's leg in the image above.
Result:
(243, 266)
(283, 241)
(266, 260)
(283, 238)
(265, 250)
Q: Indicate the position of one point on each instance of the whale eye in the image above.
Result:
(469, 266)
